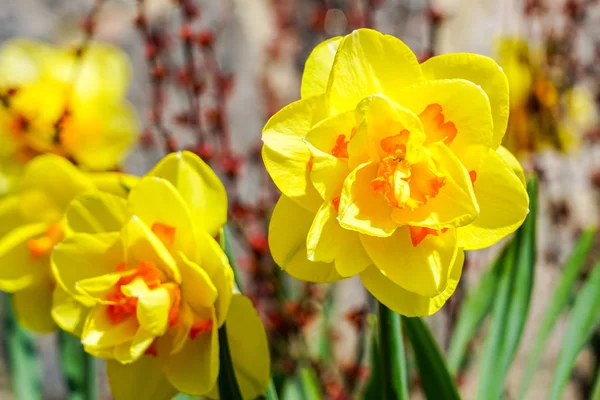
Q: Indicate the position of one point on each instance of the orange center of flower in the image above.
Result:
(44, 244)
(434, 126)
(403, 184)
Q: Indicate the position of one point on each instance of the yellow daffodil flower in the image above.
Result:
(389, 169)
(541, 116)
(53, 100)
(31, 225)
(146, 286)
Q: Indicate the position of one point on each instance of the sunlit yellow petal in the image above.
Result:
(423, 268)
(22, 61)
(482, 71)
(96, 212)
(249, 348)
(100, 334)
(196, 287)
(317, 68)
(116, 183)
(367, 63)
(461, 103)
(142, 380)
(195, 368)
(502, 199)
(405, 302)
(9, 214)
(199, 187)
(288, 230)
(362, 210)
(67, 312)
(83, 256)
(285, 154)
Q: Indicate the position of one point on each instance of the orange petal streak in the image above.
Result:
(435, 128)
(418, 233)
(166, 233)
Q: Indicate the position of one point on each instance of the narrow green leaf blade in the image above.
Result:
(20, 348)
(392, 355)
(511, 305)
(435, 378)
(373, 389)
(309, 383)
(474, 309)
(558, 302)
(78, 368)
(227, 382)
(584, 319)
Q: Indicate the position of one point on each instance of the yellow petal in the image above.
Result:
(156, 201)
(153, 311)
(513, 163)
(96, 212)
(199, 187)
(482, 71)
(362, 210)
(454, 205)
(9, 214)
(288, 231)
(32, 308)
(140, 244)
(83, 256)
(100, 334)
(18, 268)
(116, 183)
(99, 138)
(249, 348)
(462, 103)
(67, 312)
(318, 66)
(22, 61)
(503, 201)
(405, 302)
(286, 156)
(216, 264)
(327, 241)
(367, 63)
(99, 286)
(103, 72)
(195, 368)
(196, 287)
(142, 380)
(422, 269)
(50, 182)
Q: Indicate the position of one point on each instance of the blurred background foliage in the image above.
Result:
(523, 322)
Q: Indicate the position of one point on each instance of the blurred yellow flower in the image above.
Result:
(544, 113)
(31, 225)
(53, 100)
(389, 169)
(146, 286)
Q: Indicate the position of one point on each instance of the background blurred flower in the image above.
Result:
(389, 169)
(148, 286)
(67, 101)
(32, 224)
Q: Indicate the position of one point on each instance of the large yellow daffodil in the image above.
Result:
(389, 169)
(31, 224)
(146, 286)
(56, 101)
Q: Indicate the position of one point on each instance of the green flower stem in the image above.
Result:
(228, 386)
(392, 355)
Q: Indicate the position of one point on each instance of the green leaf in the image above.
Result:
(228, 386)
(291, 390)
(309, 383)
(475, 307)
(225, 242)
(558, 302)
(78, 368)
(596, 390)
(582, 323)
(20, 348)
(511, 305)
(433, 372)
(373, 389)
(392, 355)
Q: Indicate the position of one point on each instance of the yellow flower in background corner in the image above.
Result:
(546, 112)
(146, 286)
(389, 169)
(53, 100)
(31, 225)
